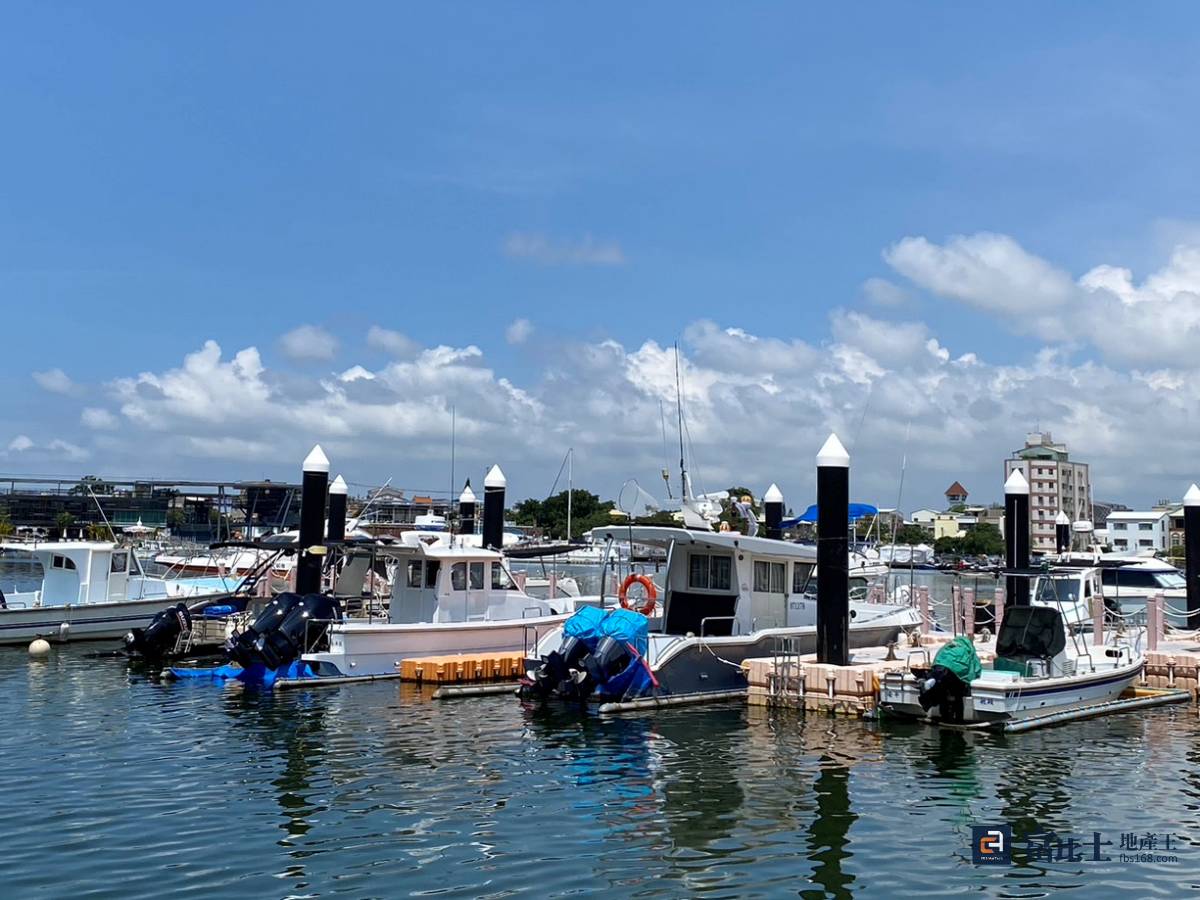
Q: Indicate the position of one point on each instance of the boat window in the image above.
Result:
(414, 573)
(119, 562)
(714, 573)
(431, 572)
(62, 562)
(768, 577)
(477, 576)
(801, 572)
(1170, 580)
(458, 577)
(500, 579)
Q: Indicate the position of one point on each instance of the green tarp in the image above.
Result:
(959, 657)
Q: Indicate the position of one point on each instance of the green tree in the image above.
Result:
(176, 518)
(6, 526)
(909, 534)
(62, 522)
(588, 511)
(96, 532)
(983, 540)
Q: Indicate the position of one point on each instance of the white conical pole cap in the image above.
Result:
(1192, 497)
(1016, 483)
(467, 496)
(773, 494)
(316, 461)
(338, 486)
(832, 453)
(495, 478)
(1062, 519)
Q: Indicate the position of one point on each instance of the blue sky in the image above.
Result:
(176, 175)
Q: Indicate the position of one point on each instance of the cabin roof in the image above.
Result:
(663, 536)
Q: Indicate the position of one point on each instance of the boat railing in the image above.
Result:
(526, 630)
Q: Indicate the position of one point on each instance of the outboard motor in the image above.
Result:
(158, 638)
(946, 691)
(610, 659)
(558, 670)
(279, 634)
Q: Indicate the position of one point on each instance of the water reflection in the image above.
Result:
(828, 835)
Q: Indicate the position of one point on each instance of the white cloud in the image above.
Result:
(309, 342)
(882, 292)
(1156, 322)
(56, 381)
(587, 251)
(393, 342)
(98, 418)
(518, 331)
(356, 373)
(56, 449)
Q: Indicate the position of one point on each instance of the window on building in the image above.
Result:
(1118, 526)
(1145, 526)
(768, 577)
(710, 573)
(1145, 542)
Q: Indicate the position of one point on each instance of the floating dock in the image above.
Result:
(467, 668)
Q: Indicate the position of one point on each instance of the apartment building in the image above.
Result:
(1055, 483)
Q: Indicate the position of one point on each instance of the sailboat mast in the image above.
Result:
(570, 488)
(679, 412)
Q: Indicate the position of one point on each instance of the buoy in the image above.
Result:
(39, 647)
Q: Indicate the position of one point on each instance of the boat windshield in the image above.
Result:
(1060, 590)
(1170, 580)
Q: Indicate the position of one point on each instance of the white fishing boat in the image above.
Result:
(92, 590)
(1042, 664)
(445, 600)
(727, 597)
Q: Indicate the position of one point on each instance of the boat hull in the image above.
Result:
(1011, 700)
(81, 621)
(358, 649)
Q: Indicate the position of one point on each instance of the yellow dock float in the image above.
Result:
(463, 668)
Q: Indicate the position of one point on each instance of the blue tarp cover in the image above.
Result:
(585, 625)
(627, 626)
(857, 511)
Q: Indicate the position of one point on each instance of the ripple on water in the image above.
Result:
(133, 788)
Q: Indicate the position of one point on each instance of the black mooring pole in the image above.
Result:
(337, 510)
(494, 484)
(1016, 536)
(312, 521)
(773, 509)
(1062, 533)
(466, 510)
(1191, 548)
(833, 553)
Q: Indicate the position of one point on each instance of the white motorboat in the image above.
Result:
(1042, 665)
(446, 599)
(92, 589)
(727, 597)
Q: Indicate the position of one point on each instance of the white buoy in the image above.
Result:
(39, 647)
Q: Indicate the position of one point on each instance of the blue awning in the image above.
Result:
(857, 511)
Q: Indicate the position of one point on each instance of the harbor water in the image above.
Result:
(118, 785)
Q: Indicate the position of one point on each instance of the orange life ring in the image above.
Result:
(647, 584)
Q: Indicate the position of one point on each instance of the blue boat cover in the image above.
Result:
(257, 675)
(630, 684)
(627, 626)
(585, 625)
(857, 511)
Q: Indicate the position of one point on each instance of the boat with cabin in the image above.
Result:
(727, 597)
(446, 599)
(92, 590)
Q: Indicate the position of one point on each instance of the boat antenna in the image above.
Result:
(570, 487)
(107, 524)
(666, 473)
(450, 496)
(679, 413)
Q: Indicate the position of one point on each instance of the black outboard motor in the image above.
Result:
(158, 638)
(610, 658)
(559, 672)
(279, 634)
(946, 691)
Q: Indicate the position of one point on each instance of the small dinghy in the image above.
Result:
(1041, 666)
